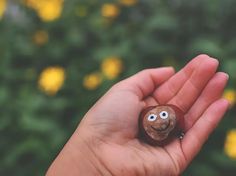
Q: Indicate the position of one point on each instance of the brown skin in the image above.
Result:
(106, 141)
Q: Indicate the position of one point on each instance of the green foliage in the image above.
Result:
(152, 33)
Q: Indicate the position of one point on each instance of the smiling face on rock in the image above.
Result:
(158, 122)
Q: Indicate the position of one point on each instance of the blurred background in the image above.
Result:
(57, 57)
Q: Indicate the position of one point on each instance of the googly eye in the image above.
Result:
(164, 114)
(152, 117)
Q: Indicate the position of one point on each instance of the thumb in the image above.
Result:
(145, 82)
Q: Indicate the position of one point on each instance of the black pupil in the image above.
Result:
(164, 114)
(152, 117)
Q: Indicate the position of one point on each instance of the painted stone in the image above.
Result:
(160, 124)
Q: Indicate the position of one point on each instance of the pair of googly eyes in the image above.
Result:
(153, 117)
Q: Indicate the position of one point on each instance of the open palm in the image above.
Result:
(110, 128)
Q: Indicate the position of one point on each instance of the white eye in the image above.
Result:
(152, 117)
(164, 114)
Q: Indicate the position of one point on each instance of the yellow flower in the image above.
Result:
(230, 95)
(47, 10)
(110, 10)
(128, 2)
(40, 37)
(3, 5)
(50, 10)
(51, 80)
(111, 67)
(92, 81)
(230, 144)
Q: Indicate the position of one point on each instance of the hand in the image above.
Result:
(106, 141)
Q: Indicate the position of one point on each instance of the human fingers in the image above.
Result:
(193, 87)
(170, 88)
(198, 134)
(212, 92)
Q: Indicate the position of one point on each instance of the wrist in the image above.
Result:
(77, 158)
